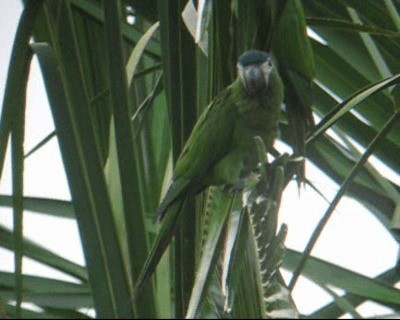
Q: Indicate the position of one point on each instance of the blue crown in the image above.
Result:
(253, 57)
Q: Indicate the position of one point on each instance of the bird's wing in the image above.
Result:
(209, 142)
(176, 189)
(211, 138)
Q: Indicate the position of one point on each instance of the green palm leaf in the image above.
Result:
(124, 98)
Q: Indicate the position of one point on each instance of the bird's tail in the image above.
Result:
(160, 244)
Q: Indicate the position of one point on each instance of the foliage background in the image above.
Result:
(357, 55)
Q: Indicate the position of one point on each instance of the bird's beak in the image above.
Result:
(253, 78)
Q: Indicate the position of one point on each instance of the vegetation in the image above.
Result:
(126, 81)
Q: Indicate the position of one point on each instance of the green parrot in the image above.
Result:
(221, 148)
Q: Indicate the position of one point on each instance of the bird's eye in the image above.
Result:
(270, 63)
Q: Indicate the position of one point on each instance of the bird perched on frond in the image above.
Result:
(221, 148)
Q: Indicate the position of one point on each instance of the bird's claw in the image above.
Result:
(245, 183)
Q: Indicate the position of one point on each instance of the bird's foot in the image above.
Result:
(245, 183)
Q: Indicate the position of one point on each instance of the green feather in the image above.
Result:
(173, 194)
(220, 150)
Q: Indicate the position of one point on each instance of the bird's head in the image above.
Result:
(254, 69)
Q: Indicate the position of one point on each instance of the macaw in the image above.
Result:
(221, 148)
